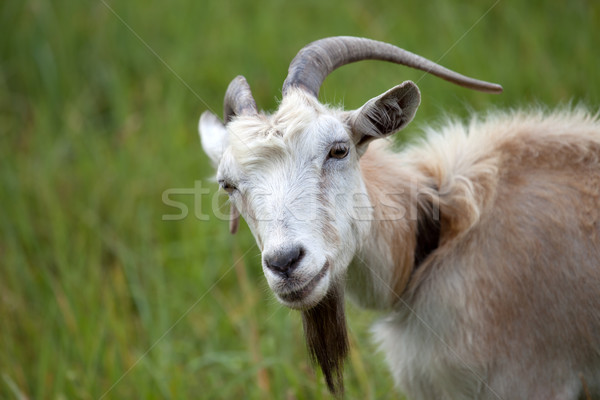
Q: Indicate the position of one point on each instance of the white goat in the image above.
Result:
(483, 242)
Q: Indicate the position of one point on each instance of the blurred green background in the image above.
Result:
(100, 296)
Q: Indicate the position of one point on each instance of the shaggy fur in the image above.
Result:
(508, 305)
(327, 338)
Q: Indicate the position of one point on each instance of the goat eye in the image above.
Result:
(227, 186)
(338, 151)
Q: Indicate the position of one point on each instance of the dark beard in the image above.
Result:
(327, 337)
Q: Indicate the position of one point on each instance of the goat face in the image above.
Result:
(295, 177)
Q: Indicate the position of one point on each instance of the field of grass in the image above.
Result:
(103, 298)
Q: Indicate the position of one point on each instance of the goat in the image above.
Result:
(482, 242)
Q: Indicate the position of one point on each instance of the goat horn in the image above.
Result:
(238, 99)
(318, 59)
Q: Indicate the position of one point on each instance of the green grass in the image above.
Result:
(99, 296)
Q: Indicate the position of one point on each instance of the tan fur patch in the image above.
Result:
(468, 164)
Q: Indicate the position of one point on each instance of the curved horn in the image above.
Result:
(318, 59)
(238, 99)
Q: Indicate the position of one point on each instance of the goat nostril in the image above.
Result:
(284, 261)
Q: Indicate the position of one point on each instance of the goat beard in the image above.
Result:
(327, 337)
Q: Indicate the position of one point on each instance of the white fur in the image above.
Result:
(279, 164)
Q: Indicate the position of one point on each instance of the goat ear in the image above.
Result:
(386, 113)
(213, 136)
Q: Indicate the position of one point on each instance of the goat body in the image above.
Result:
(482, 241)
(508, 305)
